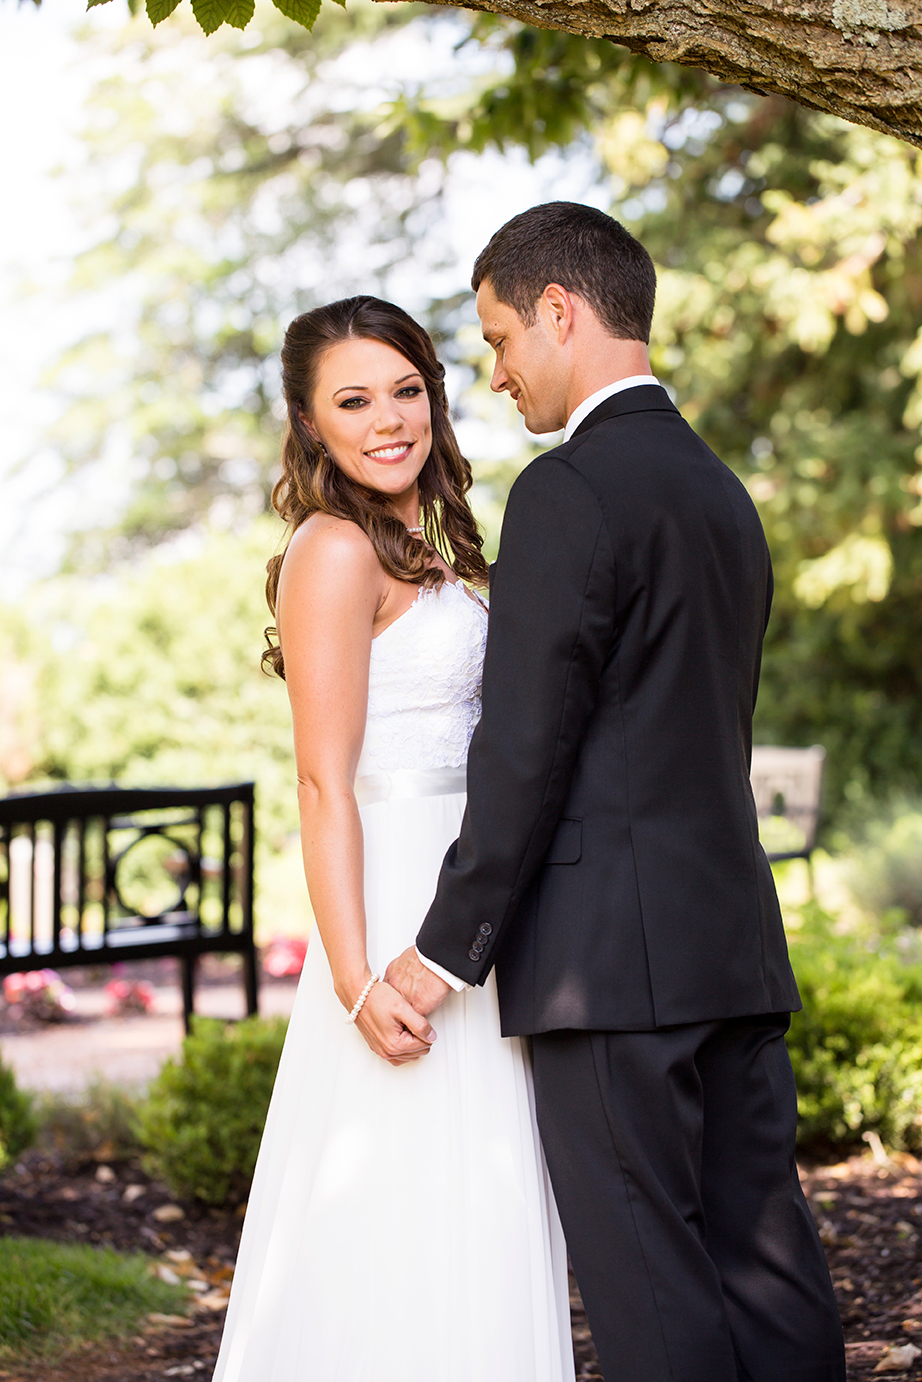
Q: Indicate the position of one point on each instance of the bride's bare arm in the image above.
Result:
(330, 588)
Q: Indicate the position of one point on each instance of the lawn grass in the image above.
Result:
(56, 1296)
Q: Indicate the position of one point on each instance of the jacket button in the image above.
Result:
(473, 955)
(486, 929)
(479, 947)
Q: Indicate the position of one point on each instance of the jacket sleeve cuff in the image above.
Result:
(452, 980)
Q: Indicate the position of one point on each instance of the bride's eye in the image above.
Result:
(410, 391)
(351, 403)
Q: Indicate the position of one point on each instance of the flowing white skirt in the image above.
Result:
(401, 1225)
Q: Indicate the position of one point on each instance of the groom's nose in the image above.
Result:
(500, 378)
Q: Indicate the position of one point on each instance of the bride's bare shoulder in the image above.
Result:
(326, 547)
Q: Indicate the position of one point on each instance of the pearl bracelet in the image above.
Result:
(360, 1001)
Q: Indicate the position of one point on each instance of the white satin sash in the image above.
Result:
(407, 783)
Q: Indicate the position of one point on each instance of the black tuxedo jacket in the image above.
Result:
(609, 864)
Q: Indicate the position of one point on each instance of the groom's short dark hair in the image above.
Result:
(583, 250)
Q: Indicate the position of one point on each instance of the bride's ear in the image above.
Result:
(309, 428)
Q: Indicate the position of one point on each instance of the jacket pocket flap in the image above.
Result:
(567, 844)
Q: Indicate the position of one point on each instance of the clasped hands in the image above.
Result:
(393, 1019)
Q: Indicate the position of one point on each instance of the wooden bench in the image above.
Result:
(787, 784)
(103, 875)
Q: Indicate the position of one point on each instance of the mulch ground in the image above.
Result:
(869, 1214)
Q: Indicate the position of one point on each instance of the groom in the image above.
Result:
(609, 863)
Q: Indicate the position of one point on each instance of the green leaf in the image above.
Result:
(211, 14)
(239, 13)
(158, 10)
(91, 3)
(301, 11)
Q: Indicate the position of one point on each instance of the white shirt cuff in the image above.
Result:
(451, 979)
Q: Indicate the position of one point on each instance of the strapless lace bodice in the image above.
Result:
(424, 684)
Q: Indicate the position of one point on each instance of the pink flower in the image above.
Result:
(284, 956)
(129, 996)
(40, 993)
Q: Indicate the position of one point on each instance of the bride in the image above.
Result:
(401, 1225)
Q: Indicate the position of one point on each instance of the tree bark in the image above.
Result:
(861, 59)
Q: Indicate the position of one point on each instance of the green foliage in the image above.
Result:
(158, 10)
(211, 14)
(301, 11)
(235, 208)
(56, 1296)
(100, 1124)
(203, 1119)
(790, 288)
(153, 679)
(856, 1047)
(885, 866)
(789, 324)
(17, 1119)
(546, 89)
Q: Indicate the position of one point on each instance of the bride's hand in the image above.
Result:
(393, 1029)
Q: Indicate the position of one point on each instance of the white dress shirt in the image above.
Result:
(582, 410)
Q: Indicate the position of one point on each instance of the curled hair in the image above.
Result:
(311, 482)
(583, 250)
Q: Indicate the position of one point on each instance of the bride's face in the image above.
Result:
(371, 411)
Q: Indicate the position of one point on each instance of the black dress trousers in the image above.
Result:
(671, 1156)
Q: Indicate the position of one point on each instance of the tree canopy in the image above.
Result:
(860, 59)
(787, 324)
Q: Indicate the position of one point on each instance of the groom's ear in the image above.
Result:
(557, 306)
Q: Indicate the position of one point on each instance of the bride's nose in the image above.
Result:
(387, 417)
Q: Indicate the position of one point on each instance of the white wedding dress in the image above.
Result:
(401, 1225)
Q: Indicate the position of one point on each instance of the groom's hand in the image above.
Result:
(422, 989)
(393, 1028)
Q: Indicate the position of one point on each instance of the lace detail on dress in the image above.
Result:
(424, 684)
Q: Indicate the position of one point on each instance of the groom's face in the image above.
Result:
(528, 361)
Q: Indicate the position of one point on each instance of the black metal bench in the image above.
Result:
(787, 785)
(102, 875)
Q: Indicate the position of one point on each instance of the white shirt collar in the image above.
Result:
(588, 404)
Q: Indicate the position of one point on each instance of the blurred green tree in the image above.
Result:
(152, 678)
(860, 62)
(239, 189)
(787, 325)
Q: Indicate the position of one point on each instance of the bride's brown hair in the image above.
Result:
(311, 482)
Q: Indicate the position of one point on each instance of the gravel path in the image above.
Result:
(129, 1051)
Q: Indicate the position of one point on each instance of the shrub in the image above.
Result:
(856, 1047)
(17, 1120)
(98, 1125)
(885, 872)
(203, 1119)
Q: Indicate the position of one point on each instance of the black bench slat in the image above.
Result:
(56, 825)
